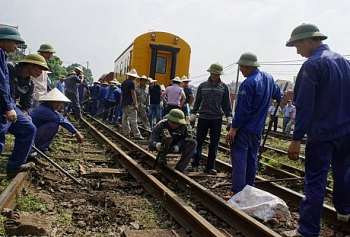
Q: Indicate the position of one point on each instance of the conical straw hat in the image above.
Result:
(55, 95)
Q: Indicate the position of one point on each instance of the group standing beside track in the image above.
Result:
(320, 112)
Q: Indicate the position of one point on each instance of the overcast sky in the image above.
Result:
(97, 31)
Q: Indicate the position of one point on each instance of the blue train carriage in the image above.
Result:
(156, 54)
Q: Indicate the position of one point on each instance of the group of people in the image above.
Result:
(320, 99)
(29, 111)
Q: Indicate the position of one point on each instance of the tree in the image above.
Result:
(87, 72)
(56, 69)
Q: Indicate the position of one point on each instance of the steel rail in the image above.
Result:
(243, 223)
(182, 212)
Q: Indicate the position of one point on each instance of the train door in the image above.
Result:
(163, 63)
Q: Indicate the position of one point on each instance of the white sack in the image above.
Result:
(260, 204)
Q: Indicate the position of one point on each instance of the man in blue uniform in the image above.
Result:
(47, 120)
(71, 90)
(253, 99)
(321, 96)
(12, 119)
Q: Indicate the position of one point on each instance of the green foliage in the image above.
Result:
(15, 56)
(56, 69)
(30, 203)
(87, 72)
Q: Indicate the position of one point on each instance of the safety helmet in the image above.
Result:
(248, 59)
(133, 73)
(35, 59)
(79, 68)
(177, 116)
(10, 33)
(304, 31)
(216, 68)
(46, 48)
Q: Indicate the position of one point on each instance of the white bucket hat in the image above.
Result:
(115, 81)
(185, 79)
(133, 73)
(55, 95)
(151, 80)
(177, 79)
(79, 68)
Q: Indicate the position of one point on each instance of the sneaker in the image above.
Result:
(228, 196)
(210, 171)
(139, 138)
(11, 173)
(47, 153)
(343, 218)
(194, 169)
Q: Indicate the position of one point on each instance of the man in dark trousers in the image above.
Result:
(71, 91)
(175, 123)
(321, 97)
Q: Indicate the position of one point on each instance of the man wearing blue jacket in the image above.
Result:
(12, 119)
(253, 100)
(321, 96)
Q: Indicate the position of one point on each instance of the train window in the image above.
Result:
(116, 71)
(121, 68)
(161, 65)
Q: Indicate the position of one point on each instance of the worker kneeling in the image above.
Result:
(47, 120)
(170, 136)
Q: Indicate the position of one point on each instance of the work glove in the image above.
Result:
(159, 146)
(192, 118)
(175, 149)
(229, 123)
(11, 116)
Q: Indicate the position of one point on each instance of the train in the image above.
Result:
(159, 55)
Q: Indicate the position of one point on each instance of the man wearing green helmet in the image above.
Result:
(21, 82)
(41, 82)
(212, 102)
(12, 119)
(321, 96)
(253, 100)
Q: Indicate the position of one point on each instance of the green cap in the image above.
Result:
(216, 68)
(10, 33)
(304, 31)
(46, 48)
(248, 59)
(177, 116)
(35, 59)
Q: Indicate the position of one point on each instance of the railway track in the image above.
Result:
(138, 162)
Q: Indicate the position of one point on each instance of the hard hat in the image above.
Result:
(216, 68)
(143, 77)
(72, 72)
(46, 48)
(151, 80)
(133, 73)
(304, 31)
(55, 95)
(10, 33)
(35, 59)
(177, 116)
(248, 59)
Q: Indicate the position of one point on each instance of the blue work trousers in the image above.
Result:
(214, 127)
(24, 132)
(319, 158)
(45, 135)
(244, 159)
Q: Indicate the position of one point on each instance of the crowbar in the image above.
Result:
(57, 166)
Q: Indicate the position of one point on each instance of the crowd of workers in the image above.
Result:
(320, 112)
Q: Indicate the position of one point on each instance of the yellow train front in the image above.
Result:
(159, 55)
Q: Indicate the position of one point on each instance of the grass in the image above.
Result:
(29, 203)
